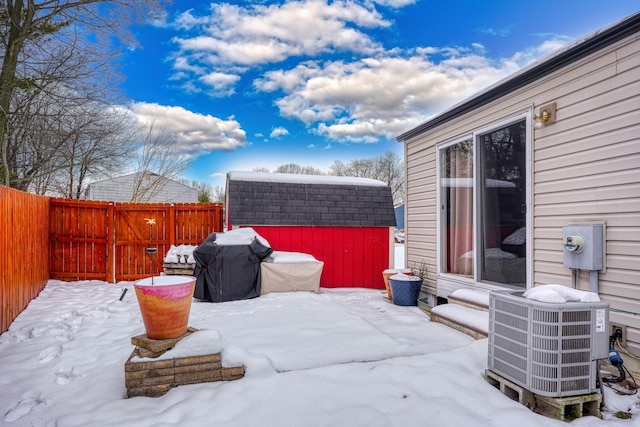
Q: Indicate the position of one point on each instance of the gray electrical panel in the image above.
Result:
(583, 246)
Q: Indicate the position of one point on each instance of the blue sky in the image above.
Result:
(261, 84)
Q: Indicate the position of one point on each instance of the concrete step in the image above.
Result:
(470, 298)
(471, 321)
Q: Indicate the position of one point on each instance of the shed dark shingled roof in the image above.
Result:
(270, 202)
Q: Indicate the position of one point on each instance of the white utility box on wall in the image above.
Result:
(583, 246)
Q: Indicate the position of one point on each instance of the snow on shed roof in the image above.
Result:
(302, 179)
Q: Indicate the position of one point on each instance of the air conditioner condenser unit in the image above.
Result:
(550, 349)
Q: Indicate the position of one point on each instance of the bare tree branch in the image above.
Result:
(387, 168)
(158, 160)
(60, 49)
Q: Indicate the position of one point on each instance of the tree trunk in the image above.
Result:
(17, 31)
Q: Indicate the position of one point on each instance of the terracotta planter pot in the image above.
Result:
(165, 305)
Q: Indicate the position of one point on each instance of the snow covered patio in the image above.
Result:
(338, 358)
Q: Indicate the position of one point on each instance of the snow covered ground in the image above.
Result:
(343, 357)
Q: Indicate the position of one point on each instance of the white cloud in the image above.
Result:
(260, 34)
(395, 3)
(187, 20)
(221, 83)
(499, 32)
(548, 46)
(381, 97)
(278, 132)
(195, 133)
(379, 94)
(184, 68)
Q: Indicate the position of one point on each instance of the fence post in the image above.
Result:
(219, 216)
(172, 224)
(111, 244)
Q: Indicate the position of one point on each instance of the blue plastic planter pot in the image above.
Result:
(405, 289)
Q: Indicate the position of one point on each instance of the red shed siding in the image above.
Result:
(353, 256)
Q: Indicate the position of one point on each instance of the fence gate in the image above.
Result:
(78, 240)
(107, 241)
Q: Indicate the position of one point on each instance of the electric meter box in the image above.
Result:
(583, 246)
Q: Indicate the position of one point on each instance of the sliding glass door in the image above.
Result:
(482, 196)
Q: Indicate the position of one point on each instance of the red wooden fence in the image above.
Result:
(43, 238)
(107, 241)
(24, 248)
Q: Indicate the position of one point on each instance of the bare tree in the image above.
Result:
(101, 141)
(292, 168)
(55, 50)
(157, 161)
(205, 191)
(296, 168)
(219, 195)
(261, 169)
(26, 156)
(387, 168)
(390, 170)
(57, 148)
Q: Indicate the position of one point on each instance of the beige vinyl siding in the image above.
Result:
(421, 208)
(586, 167)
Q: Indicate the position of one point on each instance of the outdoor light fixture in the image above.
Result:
(545, 116)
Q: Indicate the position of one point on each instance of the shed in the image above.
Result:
(345, 222)
(492, 182)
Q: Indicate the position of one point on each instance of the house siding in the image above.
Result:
(120, 189)
(586, 167)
